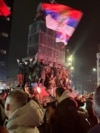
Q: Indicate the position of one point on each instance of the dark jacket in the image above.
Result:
(67, 119)
(95, 129)
(2, 113)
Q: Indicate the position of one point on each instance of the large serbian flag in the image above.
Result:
(4, 9)
(62, 19)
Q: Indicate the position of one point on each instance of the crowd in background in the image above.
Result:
(35, 72)
(43, 101)
(20, 112)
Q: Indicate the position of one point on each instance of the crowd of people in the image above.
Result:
(36, 73)
(44, 102)
(20, 113)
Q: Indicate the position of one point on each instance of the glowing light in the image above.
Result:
(4, 34)
(72, 68)
(94, 69)
(38, 90)
(70, 58)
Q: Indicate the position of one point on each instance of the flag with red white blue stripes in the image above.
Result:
(63, 19)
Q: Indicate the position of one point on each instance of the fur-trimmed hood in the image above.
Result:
(26, 118)
(66, 94)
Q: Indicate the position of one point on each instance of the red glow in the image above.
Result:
(4, 10)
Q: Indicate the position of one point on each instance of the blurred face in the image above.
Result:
(3, 96)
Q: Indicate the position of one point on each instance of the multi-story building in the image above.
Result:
(5, 27)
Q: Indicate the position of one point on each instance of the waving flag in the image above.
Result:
(4, 10)
(62, 19)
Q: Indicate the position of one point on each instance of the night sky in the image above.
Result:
(85, 40)
(83, 43)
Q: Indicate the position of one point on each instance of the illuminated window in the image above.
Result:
(4, 34)
(8, 18)
(2, 51)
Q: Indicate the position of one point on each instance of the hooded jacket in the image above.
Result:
(25, 119)
(66, 94)
(67, 118)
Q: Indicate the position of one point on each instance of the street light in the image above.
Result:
(93, 77)
(70, 58)
(94, 69)
(70, 65)
(69, 61)
(71, 68)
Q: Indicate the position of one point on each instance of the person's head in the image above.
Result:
(16, 99)
(96, 101)
(51, 105)
(59, 92)
(50, 109)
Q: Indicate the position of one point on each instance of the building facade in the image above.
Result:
(5, 28)
(98, 68)
(42, 40)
